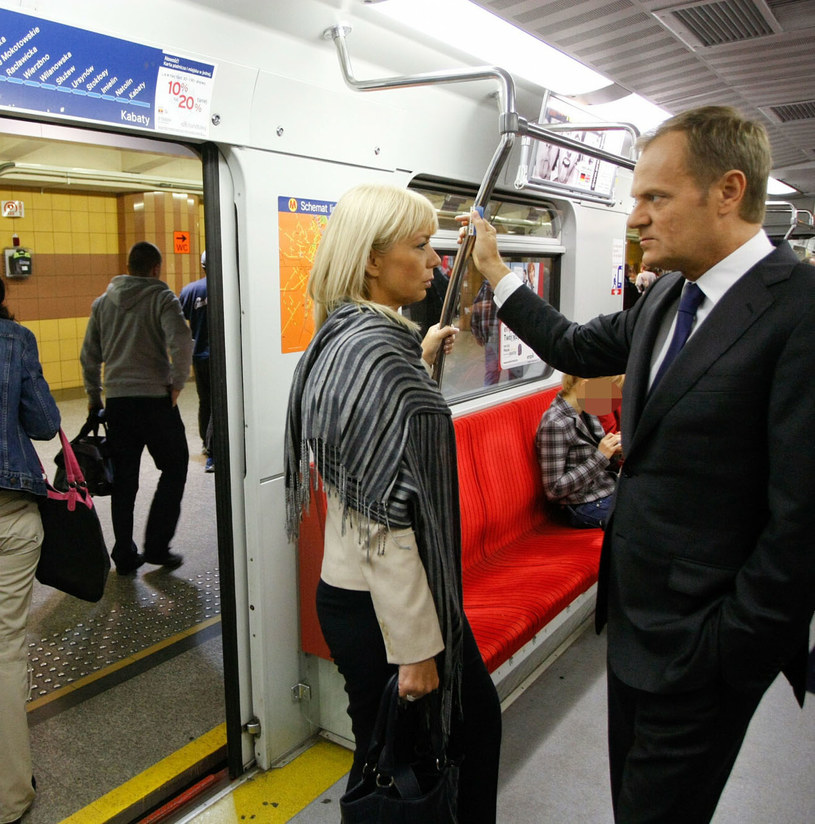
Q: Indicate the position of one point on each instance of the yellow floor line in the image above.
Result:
(153, 778)
(277, 795)
(125, 662)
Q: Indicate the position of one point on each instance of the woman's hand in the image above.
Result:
(485, 252)
(418, 680)
(436, 335)
(611, 445)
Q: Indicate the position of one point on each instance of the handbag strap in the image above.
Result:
(92, 424)
(389, 696)
(77, 488)
(389, 770)
(72, 471)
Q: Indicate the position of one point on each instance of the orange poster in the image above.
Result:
(300, 225)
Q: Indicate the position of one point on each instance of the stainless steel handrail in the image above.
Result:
(506, 84)
(510, 125)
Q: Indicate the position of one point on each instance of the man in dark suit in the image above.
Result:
(707, 578)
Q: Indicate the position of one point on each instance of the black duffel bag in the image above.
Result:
(93, 455)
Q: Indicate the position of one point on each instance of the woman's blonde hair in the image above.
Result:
(370, 217)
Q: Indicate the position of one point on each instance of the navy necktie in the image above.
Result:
(692, 296)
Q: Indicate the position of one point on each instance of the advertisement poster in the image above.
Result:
(570, 168)
(513, 351)
(300, 225)
(617, 266)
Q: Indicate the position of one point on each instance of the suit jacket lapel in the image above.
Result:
(737, 310)
(660, 300)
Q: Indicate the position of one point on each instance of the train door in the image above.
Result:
(157, 669)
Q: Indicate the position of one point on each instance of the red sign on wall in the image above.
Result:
(181, 243)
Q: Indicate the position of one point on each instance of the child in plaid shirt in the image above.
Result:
(578, 460)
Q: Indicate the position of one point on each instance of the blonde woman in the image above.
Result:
(364, 409)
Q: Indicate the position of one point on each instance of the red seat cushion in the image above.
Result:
(519, 569)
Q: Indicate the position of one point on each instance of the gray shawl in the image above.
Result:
(366, 417)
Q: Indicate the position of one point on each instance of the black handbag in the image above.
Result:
(73, 558)
(397, 788)
(93, 455)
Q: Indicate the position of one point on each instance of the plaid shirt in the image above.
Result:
(484, 319)
(573, 469)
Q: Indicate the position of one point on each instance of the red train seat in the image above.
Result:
(519, 568)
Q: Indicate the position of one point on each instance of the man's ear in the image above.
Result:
(731, 189)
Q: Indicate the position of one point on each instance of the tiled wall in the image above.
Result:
(79, 242)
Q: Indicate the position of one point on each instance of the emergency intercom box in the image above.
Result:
(19, 261)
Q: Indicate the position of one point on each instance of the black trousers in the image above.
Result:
(353, 635)
(200, 368)
(671, 754)
(134, 423)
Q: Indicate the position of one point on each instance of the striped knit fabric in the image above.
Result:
(367, 419)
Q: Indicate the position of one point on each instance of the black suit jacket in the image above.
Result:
(708, 564)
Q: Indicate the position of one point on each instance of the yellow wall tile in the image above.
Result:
(49, 351)
(62, 220)
(61, 200)
(67, 329)
(79, 221)
(41, 200)
(98, 243)
(71, 373)
(49, 330)
(43, 220)
(52, 372)
(63, 243)
(97, 222)
(43, 243)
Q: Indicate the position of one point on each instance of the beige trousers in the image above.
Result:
(20, 540)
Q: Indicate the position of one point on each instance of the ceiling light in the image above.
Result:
(469, 28)
(776, 187)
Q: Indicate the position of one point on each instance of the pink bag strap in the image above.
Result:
(77, 490)
(72, 470)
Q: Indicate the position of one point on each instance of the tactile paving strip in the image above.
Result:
(128, 620)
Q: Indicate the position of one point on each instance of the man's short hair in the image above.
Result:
(720, 139)
(141, 259)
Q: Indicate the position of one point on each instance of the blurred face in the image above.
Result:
(677, 220)
(598, 396)
(404, 273)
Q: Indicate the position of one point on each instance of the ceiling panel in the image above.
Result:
(657, 49)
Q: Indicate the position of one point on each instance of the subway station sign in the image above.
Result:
(52, 68)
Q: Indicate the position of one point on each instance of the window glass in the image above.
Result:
(488, 355)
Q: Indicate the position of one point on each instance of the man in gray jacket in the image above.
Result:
(137, 329)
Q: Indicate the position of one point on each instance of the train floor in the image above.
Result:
(126, 691)
(121, 685)
(554, 765)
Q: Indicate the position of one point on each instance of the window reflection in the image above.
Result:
(488, 355)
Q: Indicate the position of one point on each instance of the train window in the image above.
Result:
(488, 355)
(509, 217)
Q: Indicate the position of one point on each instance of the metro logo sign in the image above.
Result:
(13, 208)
